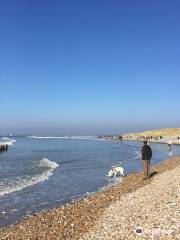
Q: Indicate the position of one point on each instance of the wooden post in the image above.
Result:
(3, 147)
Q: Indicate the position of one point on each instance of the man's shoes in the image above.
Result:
(146, 178)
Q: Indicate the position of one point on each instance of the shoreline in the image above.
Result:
(173, 142)
(150, 212)
(72, 220)
(164, 141)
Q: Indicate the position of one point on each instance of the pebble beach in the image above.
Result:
(133, 209)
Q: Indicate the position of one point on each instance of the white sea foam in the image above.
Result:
(8, 141)
(45, 162)
(47, 137)
(65, 137)
(138, 154)
(19, 183)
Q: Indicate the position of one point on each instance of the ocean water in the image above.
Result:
(39, 173)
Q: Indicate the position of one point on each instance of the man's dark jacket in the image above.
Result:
(146, 152)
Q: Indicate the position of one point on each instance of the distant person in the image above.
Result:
(146, 158)
(170, 149)
(120, 138)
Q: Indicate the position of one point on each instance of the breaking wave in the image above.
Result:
(19, 183)
(65, 137)
(137, 155)
(8, 141)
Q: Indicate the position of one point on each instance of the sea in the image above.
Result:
(38, 173)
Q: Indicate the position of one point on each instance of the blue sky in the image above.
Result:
(89, 66)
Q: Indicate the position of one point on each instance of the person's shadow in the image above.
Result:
(153, 173)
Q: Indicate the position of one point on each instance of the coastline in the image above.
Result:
(174, 142)
(72, 220)
(135, 139)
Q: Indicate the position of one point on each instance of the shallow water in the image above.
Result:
(40, 173)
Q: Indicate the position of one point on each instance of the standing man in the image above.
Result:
(146, 157)
(170, 149)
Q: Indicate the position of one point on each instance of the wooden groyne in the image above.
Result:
(3, 147)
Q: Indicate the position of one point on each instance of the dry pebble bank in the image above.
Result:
(151, 212)
(114, 213)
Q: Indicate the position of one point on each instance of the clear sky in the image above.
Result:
(89, 66)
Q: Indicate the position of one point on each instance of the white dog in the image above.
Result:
(116, 171)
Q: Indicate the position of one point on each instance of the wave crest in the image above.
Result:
(65, 137)
(8, 141)
(19, 183)
(45, 162)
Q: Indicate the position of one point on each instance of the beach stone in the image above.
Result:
(80, 219)
(155, 208)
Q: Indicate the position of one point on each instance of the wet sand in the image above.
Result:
(74, 220)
